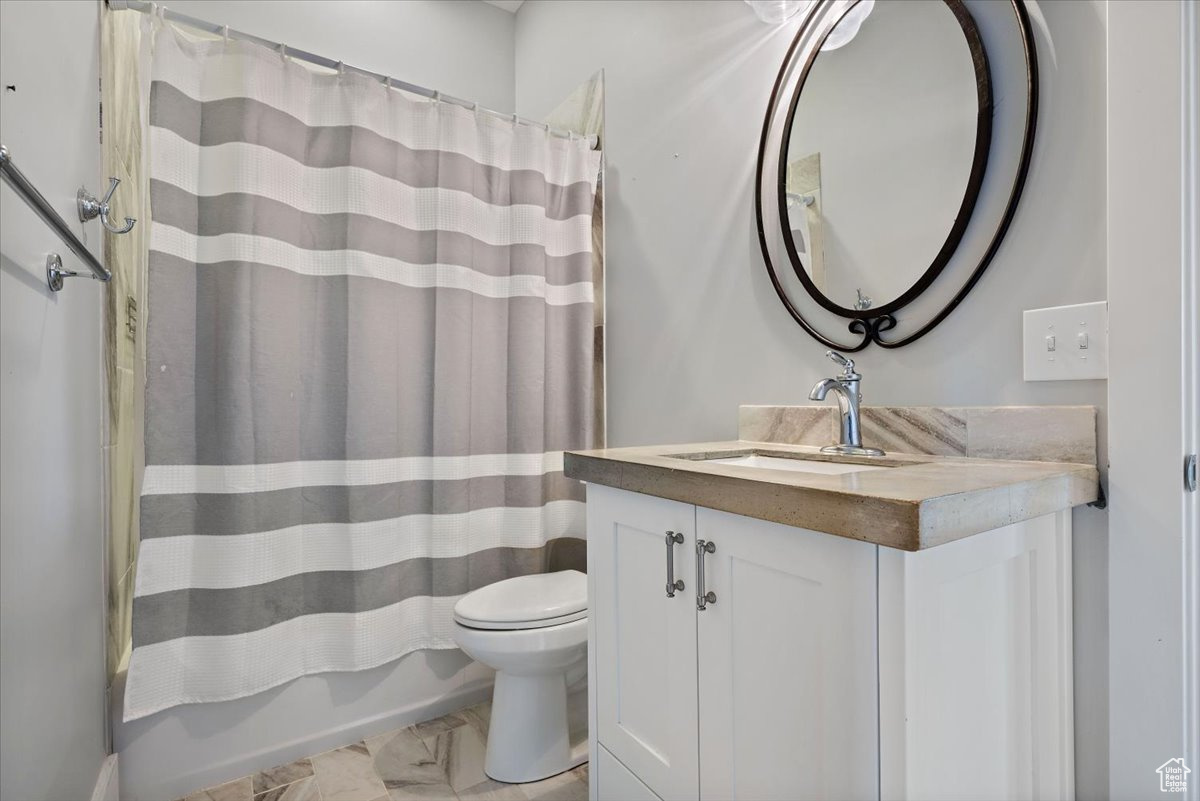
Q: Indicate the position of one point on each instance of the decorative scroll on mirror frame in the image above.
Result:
(771, 207)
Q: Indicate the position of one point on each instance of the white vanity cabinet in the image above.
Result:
(825, 667)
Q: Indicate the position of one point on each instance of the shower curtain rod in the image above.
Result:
(145, 7)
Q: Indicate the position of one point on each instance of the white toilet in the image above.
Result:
(533, 631)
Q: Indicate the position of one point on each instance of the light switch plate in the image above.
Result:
(1066, 343)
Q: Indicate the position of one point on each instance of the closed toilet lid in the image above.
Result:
(525, 602)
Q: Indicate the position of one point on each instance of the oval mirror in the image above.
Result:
(886, 150)
(873, 157)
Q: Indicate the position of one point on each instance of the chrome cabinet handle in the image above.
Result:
(703, 599)
(673, 539)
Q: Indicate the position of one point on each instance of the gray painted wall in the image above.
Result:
(694, 328)
(463, 48)
(52, 725)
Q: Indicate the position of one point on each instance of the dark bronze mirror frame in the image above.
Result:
(870, 324)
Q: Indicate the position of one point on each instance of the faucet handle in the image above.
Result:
(837, 358)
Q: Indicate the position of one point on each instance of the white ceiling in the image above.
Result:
(510, 6)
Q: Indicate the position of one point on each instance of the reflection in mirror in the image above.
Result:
(881, 150)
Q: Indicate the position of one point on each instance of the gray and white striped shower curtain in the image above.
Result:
(369, 342)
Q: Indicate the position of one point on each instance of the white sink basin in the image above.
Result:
(795, 465)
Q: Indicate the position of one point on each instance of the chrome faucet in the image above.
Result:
(845, 386)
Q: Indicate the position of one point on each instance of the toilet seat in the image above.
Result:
(525, 602)
(516, 625)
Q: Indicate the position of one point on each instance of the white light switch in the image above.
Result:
(1066, 343)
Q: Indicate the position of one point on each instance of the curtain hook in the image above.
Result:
(225, 33)
(341, 68)
(387, 82)
(283, 51)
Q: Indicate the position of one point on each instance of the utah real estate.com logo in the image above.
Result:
(1172, 776)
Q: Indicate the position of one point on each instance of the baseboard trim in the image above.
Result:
(285, 752)
(108, 782)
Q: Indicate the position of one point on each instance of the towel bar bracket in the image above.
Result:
(42, 207)
(55, 274)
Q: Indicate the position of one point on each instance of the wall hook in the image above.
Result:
(90, 208)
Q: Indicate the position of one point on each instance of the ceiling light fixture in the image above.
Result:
(777, 12)
(847, 28)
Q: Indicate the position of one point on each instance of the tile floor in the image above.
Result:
(436, 760)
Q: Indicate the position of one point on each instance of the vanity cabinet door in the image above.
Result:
(645, 642)
(788, 673)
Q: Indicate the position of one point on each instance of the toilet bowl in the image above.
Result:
(532, 630)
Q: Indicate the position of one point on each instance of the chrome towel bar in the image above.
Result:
(38, 202)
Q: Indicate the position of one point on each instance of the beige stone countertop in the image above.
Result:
(914, 502)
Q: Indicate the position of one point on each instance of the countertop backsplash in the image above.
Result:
(1023, 433)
